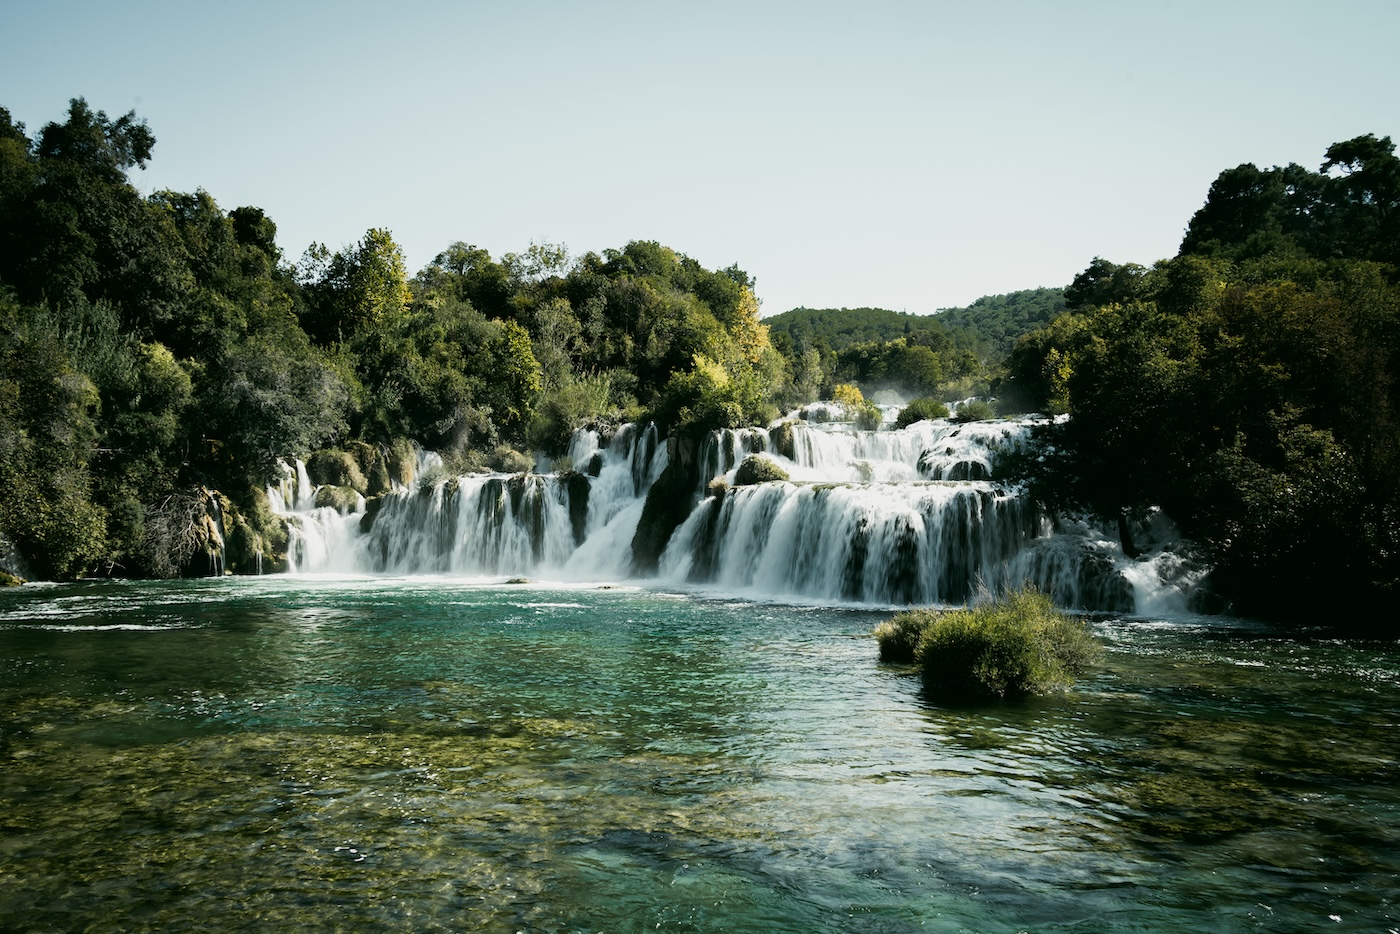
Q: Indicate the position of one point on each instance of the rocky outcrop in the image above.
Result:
(758, 469)
(668, 502)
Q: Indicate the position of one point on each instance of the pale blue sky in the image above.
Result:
(906, 155)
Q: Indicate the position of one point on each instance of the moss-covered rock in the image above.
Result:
(372, 507)
(332, 467)
(9, 580)
(401, 460)
(507, 459)
(373, 466)
(784, 441)
(758, 469)
(579, 489)
(343, 499)
(255, 540)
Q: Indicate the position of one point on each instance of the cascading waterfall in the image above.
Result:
(890, 517)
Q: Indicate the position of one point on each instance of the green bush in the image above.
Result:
(1019, 644)
(868, 416)
(899, 635)
(976, 410)
(921, 409)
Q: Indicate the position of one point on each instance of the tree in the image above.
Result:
(362, 286)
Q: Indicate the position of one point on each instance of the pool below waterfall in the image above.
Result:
(434, 754)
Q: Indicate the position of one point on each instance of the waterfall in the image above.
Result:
(888, 517)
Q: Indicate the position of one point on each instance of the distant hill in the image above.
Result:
(991, 324)
(840, 328)
(997, 320)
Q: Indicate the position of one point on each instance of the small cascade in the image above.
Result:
(888, 517)
(471, 526)
(217, 545)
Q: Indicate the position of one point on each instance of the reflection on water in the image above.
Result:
(431, 755)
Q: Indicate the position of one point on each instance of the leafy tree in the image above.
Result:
(265, 402)
(362, 286)
(1348, 209)
(47, 437)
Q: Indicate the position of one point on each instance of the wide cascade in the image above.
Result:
(893, 517)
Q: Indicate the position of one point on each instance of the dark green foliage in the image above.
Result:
(919, 410)
(758, 469)
(1105, 283)
(1350, 208)
(1256, 403)
(839, 328)
(1016, 645)
(997, 320)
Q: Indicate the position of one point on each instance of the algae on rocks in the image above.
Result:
(758, 469)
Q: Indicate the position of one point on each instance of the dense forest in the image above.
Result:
(1249, 387)
(952, 354)
(160, 358)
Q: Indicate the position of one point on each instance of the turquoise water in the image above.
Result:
(428, 755)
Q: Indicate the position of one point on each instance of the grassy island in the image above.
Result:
(1016, 645)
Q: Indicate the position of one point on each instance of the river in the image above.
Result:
(440, 754)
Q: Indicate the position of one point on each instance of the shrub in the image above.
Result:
(756, 469)
(920, 410)
(975, 410)
(1019, 644)
(899, 635)
(868, 416)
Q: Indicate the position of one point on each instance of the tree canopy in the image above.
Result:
(1249, 387)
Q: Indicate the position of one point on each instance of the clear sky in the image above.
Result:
(910, 155)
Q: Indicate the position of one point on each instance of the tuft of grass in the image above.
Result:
(1016, 645)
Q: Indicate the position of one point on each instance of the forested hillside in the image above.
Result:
(996, 321)
(1249, 387)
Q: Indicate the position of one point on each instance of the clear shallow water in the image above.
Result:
(425, 755)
